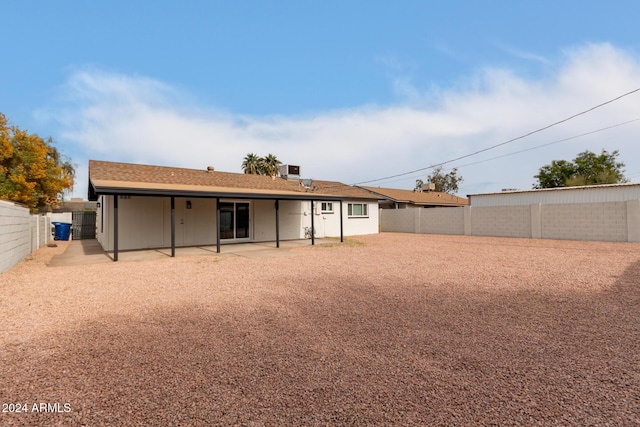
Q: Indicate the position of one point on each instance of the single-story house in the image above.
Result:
(393, 198)
(144, 206)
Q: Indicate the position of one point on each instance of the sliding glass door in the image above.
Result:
(234, 220)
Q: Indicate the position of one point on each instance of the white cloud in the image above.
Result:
(109, 116)
(528, 56)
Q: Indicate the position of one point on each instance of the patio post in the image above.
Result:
(173, 226)
(341, 229)
(277, 223)
(313, 230)
(115, 228)
(218, 224)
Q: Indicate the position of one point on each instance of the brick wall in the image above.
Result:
(20, 233)
(441, 221)
(15, 234)
(398, 220)
(506, 221)
(607, 221)
(585, 221)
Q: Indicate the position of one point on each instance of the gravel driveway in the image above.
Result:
(391, 329)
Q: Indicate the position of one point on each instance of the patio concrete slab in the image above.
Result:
(87, 252)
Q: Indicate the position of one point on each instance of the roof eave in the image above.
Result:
(230, 194)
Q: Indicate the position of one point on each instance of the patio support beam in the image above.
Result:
(115, 228)
(277, 223)
(218, 224)
(313, 229)
(341, 229)
(173, 226)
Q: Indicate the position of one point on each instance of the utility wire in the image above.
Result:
(551, 143)
(543, 145)
(503, 143)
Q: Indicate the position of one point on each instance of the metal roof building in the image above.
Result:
(584, 194)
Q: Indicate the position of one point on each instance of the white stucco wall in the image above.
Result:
(358, 226)
(145, 222)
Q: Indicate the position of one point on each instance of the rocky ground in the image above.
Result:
(388, 329)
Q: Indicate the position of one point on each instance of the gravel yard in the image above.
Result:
(391, 329)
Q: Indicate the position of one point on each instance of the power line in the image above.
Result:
(547, 144)
(503, 143)
(551, 143)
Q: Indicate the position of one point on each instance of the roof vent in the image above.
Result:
(210, 169)
(307, 183)
(290, 172)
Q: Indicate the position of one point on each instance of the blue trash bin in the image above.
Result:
(63, 230)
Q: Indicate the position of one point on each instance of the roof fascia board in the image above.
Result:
(124, 191)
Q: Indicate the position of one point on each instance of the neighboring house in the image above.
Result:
(143, 206)
(392, 198)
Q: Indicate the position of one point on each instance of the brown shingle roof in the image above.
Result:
(426, 198)
(122, 178)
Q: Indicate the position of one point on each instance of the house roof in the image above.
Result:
(128, 178)
(424, 198)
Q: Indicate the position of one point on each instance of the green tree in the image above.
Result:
(271, 165)
(444, 183)
(256, 165)
(586, 169)
(252, 164)
(32, 170)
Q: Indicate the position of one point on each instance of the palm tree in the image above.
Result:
(252, 164)
(271, 165)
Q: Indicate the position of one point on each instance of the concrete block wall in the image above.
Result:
(20, 233)
(40, 231)
(441, 220)
(607, 221)
(15, 234)
(398, 220)
(585, 221)
(633, 220)
(506, 221)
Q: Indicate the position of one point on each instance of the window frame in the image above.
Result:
(324, 205)
(365, 210)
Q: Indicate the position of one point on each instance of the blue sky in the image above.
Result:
(350, 91)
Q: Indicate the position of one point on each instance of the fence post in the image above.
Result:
(633, 220)
(37, 231)
(536, 221)
(467, 221)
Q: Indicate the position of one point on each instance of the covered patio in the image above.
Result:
(88, 252)
(155, 207)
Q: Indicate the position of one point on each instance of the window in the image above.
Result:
(357, 210)
(326, 207)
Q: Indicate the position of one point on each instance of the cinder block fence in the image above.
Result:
(20, 233)
(606, 221)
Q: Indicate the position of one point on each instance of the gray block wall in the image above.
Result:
(20, 233)
(441, 221)
(15, 234)
(506, 221)
(605, 221)
(585, 221)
